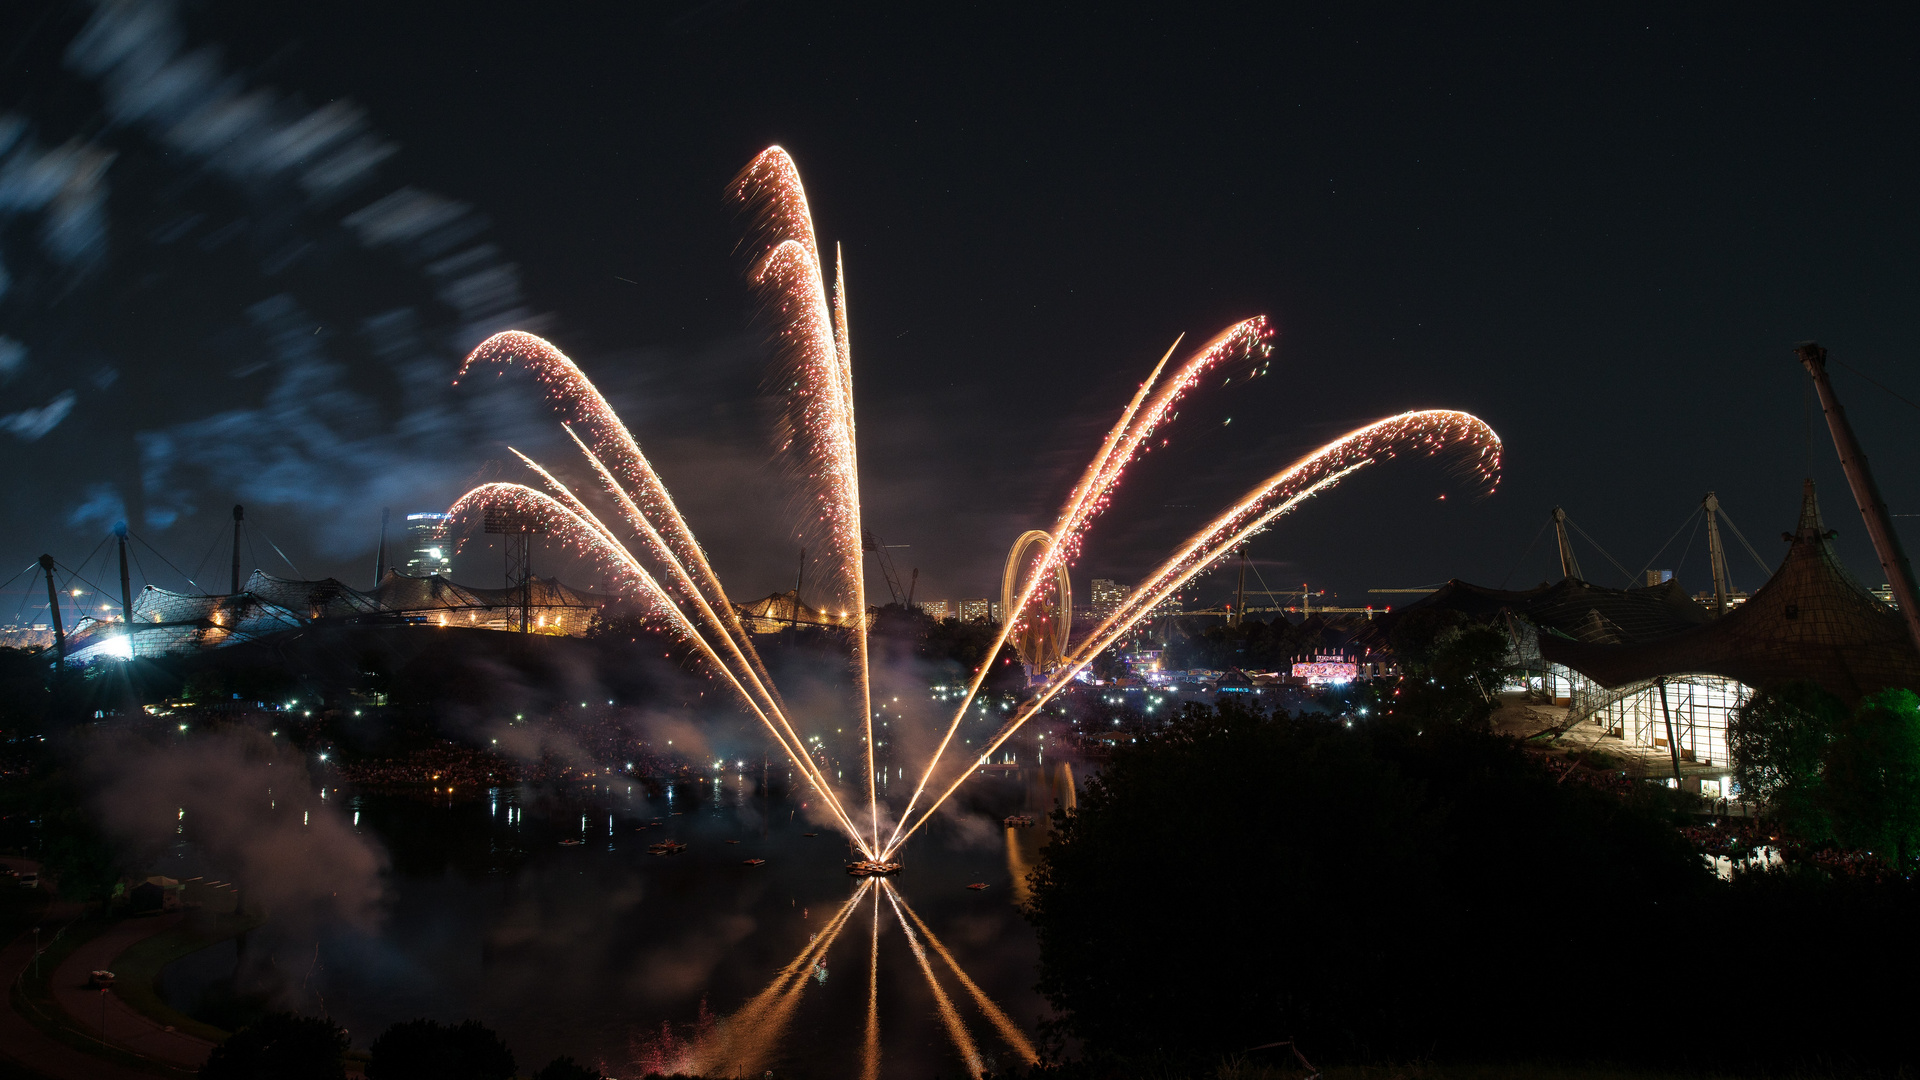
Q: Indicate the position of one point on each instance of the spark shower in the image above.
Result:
(664, 567)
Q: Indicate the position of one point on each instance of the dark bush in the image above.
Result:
(281, 1046)
(1398, 891)
(426, 1050)
(565, 1068)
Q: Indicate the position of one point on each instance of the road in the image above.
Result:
(26, 1045)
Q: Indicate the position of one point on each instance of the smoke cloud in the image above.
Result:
(250, 812)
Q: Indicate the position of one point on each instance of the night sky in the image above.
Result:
(1601, 231)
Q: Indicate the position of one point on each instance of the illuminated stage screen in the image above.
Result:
(1326, 669)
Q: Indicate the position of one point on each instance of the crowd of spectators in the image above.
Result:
(1730, 837)
(451, 765)
(1737, 839)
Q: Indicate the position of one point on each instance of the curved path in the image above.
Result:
(28, 1046)
(91, 1009)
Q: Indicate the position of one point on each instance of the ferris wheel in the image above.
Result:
(1042, 629)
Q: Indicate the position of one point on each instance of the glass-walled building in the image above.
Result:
(428, 549)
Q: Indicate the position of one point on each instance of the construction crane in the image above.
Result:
(1305, 594)
(892, 576)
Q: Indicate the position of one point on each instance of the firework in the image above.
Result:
(578, 527)
(817, 367)
(1090, 497)
(1429, 431)
(810, 326)
(581, 405)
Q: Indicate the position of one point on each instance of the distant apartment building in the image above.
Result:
(980, 610)
(428, 549)
(937, 609)
(1107, 595)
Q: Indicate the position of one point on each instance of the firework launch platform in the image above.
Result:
(874, 868)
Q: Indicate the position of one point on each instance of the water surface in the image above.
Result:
(638, 962)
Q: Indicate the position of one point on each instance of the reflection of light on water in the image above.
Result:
(1007, 1028)
(746, 1043)
(956, 1030)
(870, 1059)
(1017, 868)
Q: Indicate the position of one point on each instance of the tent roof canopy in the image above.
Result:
(1811, 620)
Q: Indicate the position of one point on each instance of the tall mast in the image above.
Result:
(1866, 494)
(1717, 556)
(239, 512)
(126, 586)
(799, 581)
(1239, 613)
(380, 555)
(1569, 566)
(53, 609)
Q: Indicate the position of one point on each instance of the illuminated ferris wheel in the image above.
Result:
(1042, 628)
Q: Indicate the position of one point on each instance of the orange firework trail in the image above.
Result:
(1090, 497)
(1431, 432)
(578, 527)
(582, 405)
(816, 351)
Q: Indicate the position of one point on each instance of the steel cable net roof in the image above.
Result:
(782, 606)
(1811, 620)
(165, 622)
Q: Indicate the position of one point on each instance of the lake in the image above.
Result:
(638, 962)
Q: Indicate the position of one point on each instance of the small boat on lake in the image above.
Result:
(756, 862)
(666, 847)
(569, 843)
(977, 885)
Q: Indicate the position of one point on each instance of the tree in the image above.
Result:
(1452, 667)
(1107, 666)
(565, 1068)
(427, 1050)
(1779, 740)
(1392, 888)
(281, 1046)
(1871, 780)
